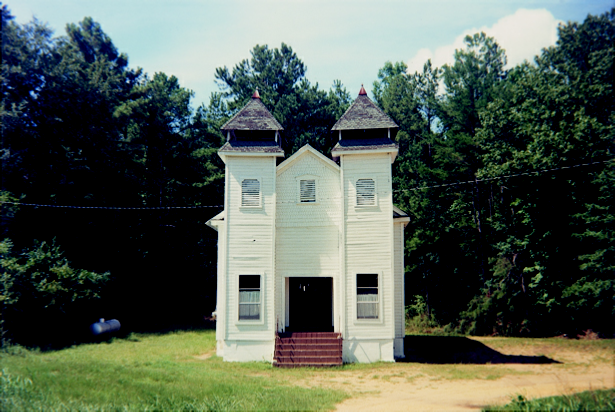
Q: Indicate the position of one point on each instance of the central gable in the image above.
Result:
(306, 151)
(308, 191)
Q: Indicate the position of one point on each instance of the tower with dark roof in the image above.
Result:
(364, 127)
(252, 130)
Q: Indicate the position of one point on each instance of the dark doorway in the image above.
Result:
(310, 305)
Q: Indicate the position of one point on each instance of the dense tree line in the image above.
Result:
(82, 128)
(531, 254)
(526, 255)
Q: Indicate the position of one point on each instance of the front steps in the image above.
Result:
(315, 349)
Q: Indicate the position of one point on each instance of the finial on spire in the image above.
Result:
(362, 92)
(256, 95)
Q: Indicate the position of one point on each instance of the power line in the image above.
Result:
(336, 198)
(111, 207)
(487, 179)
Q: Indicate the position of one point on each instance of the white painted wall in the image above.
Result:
(250, 240)
(400, 319)
(307, 234)
(369, 249)
(332, 238)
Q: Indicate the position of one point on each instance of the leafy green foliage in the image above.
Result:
(39, 283)
(525, 255)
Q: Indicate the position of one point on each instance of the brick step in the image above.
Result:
(308, 341)
(335, 335)
(308, 349)
(306, 365)
(306, 352)
(289, 346)
(310, 359)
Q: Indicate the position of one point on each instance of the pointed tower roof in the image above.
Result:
(253, 116)
(364, 114)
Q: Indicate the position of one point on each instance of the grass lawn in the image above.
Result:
(179, 371)
(151, 372)
(600, 400)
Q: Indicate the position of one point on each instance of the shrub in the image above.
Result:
(38, 286)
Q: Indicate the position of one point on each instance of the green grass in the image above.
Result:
(600, 400)
(152, 372)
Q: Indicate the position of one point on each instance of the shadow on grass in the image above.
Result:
(459, 349)
(75, 334)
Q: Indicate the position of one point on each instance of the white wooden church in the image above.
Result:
(310, 249)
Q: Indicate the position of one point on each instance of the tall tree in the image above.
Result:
(306, 113)
(552, 231)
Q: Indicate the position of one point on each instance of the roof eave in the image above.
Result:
(336, 153)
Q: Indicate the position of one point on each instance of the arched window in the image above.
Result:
(250, 193)
(366, 192)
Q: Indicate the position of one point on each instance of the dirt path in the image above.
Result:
(426, 394)
(467, 387)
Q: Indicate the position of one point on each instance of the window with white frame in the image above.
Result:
(367, 296)
(250, 193)
(366, 192)
(307, 191)
(249, 297)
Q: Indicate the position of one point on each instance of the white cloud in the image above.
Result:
(522, 35)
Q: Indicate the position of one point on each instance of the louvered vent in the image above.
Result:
(366, 192)
(250, 193)
(307, 189)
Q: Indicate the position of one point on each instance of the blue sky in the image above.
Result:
(347, 40)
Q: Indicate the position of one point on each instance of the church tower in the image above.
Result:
(371, 268)
(245, 327)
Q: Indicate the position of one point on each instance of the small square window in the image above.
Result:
(307, 191)
(249, 297)
(367, 296)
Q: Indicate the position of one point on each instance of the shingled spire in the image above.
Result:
(253, 129)
(253, 116)
(364, 114)
(364, 127)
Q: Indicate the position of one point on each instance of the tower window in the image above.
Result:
(366, 192)
(250, 193)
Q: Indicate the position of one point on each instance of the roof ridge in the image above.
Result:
(268, 121)
(363, 105)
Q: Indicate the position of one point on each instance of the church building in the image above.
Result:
(310, 249)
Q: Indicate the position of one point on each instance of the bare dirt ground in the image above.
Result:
(492, 371)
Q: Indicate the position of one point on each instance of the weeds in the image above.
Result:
(599, 400)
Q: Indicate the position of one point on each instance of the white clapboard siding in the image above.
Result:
(307, 233)
(326, 211)
(250, 241)
(369, 234)
(399, 281)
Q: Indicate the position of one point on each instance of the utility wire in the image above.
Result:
(487, 179)
(400, 190)
(110, 207)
